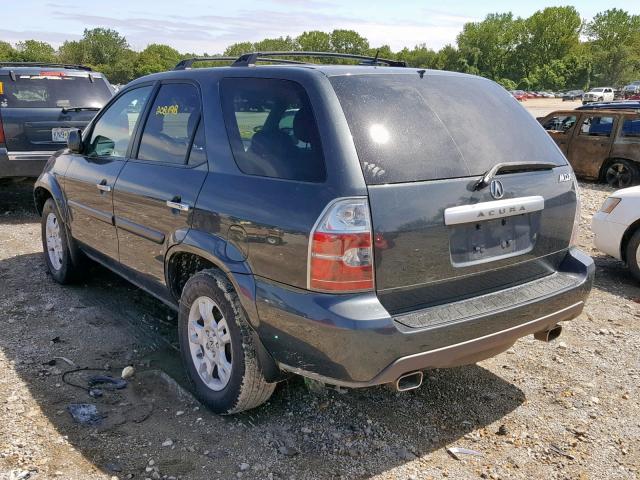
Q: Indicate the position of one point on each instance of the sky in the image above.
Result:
(208, 26)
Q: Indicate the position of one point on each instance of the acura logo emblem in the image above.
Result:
(497, 190)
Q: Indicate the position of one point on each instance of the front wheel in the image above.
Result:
(633, 255)
(217, 346)
(621, 174)
(55, 245)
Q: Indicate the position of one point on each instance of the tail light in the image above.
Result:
(2, 139)
(340, 248)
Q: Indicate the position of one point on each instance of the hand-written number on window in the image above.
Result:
(167, 110)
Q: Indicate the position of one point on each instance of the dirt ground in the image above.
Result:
(563, 410)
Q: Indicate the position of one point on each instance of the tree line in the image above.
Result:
(553, 49)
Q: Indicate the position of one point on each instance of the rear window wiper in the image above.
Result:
(79, 109)
(510, 167)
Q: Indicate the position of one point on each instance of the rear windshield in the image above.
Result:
(407, 128)
(53, 90)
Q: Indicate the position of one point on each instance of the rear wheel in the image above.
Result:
(217, 346)
(633, 254)
(55, 245)
(621, 173)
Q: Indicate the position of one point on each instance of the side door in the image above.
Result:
(560, 127)
(591, 144)
(157, 189)
(90, 178)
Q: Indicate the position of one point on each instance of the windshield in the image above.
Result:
(407, 128)
(53, 89)
(598, 90)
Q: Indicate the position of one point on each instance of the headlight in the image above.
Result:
(609, 204)
(575, 233)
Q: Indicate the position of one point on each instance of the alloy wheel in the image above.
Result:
(210, 343)
(619, 175)
(54, 241)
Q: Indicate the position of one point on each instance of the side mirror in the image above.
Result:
(74, 141)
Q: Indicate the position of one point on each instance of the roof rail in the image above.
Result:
(39, 64)
(188, 62)
(250, 59)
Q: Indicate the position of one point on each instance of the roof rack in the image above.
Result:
(250, 59)
(188, 62)
(39, 64)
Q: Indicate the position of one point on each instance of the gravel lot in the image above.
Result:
(564, 410)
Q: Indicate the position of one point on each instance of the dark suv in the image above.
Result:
(39, 105)
(355, 224)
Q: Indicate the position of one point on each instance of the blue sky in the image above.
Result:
(208, 26)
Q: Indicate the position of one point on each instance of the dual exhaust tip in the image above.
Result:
(413, 380)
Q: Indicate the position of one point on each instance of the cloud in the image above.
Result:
(213, 33)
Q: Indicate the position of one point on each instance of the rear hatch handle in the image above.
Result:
(511, 167)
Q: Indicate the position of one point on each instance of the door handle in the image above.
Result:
(103, 187)
(183, 207)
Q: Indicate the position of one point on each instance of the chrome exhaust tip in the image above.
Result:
(409, 381)
(548, 335)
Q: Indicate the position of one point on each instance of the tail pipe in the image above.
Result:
(409, 381)
(549, 334)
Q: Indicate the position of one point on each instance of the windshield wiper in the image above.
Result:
(79, 109)
(510, 167)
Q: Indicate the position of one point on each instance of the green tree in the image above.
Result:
(104, 46)
(349, 41)
(34, 51)
(419, 56)
(615, 45)
(155, 58)
(7, 52)
(314, 41)
(237, 49)
(488, 46)
(73, 52)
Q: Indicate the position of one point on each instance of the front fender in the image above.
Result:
(47, 182)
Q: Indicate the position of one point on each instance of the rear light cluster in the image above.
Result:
(2, 139)
(575, 233)
(340, 249)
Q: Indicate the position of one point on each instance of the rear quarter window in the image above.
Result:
(272, 129)
(411, 128)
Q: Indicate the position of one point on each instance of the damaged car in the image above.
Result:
(399, 231)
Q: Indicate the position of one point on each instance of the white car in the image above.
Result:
(617, 227)
(600, 94)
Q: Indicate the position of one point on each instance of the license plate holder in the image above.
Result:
(60, 135)
(491, 240)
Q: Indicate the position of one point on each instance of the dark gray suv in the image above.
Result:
(39, 104)
(355, 224)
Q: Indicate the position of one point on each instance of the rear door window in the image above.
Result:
(407, 127)
(272, 129)
(172, 121)
(54, 89)
(112, 132)
(597, 126)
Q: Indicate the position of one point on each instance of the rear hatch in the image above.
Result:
(424, 141)
(37, 109)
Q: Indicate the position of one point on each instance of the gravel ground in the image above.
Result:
(564, 410)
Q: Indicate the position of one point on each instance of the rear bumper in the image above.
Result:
(22, 164)
(351, 340)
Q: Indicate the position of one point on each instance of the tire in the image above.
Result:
(621, 173)
(221, 362)
(633, 254)
(55, 246)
